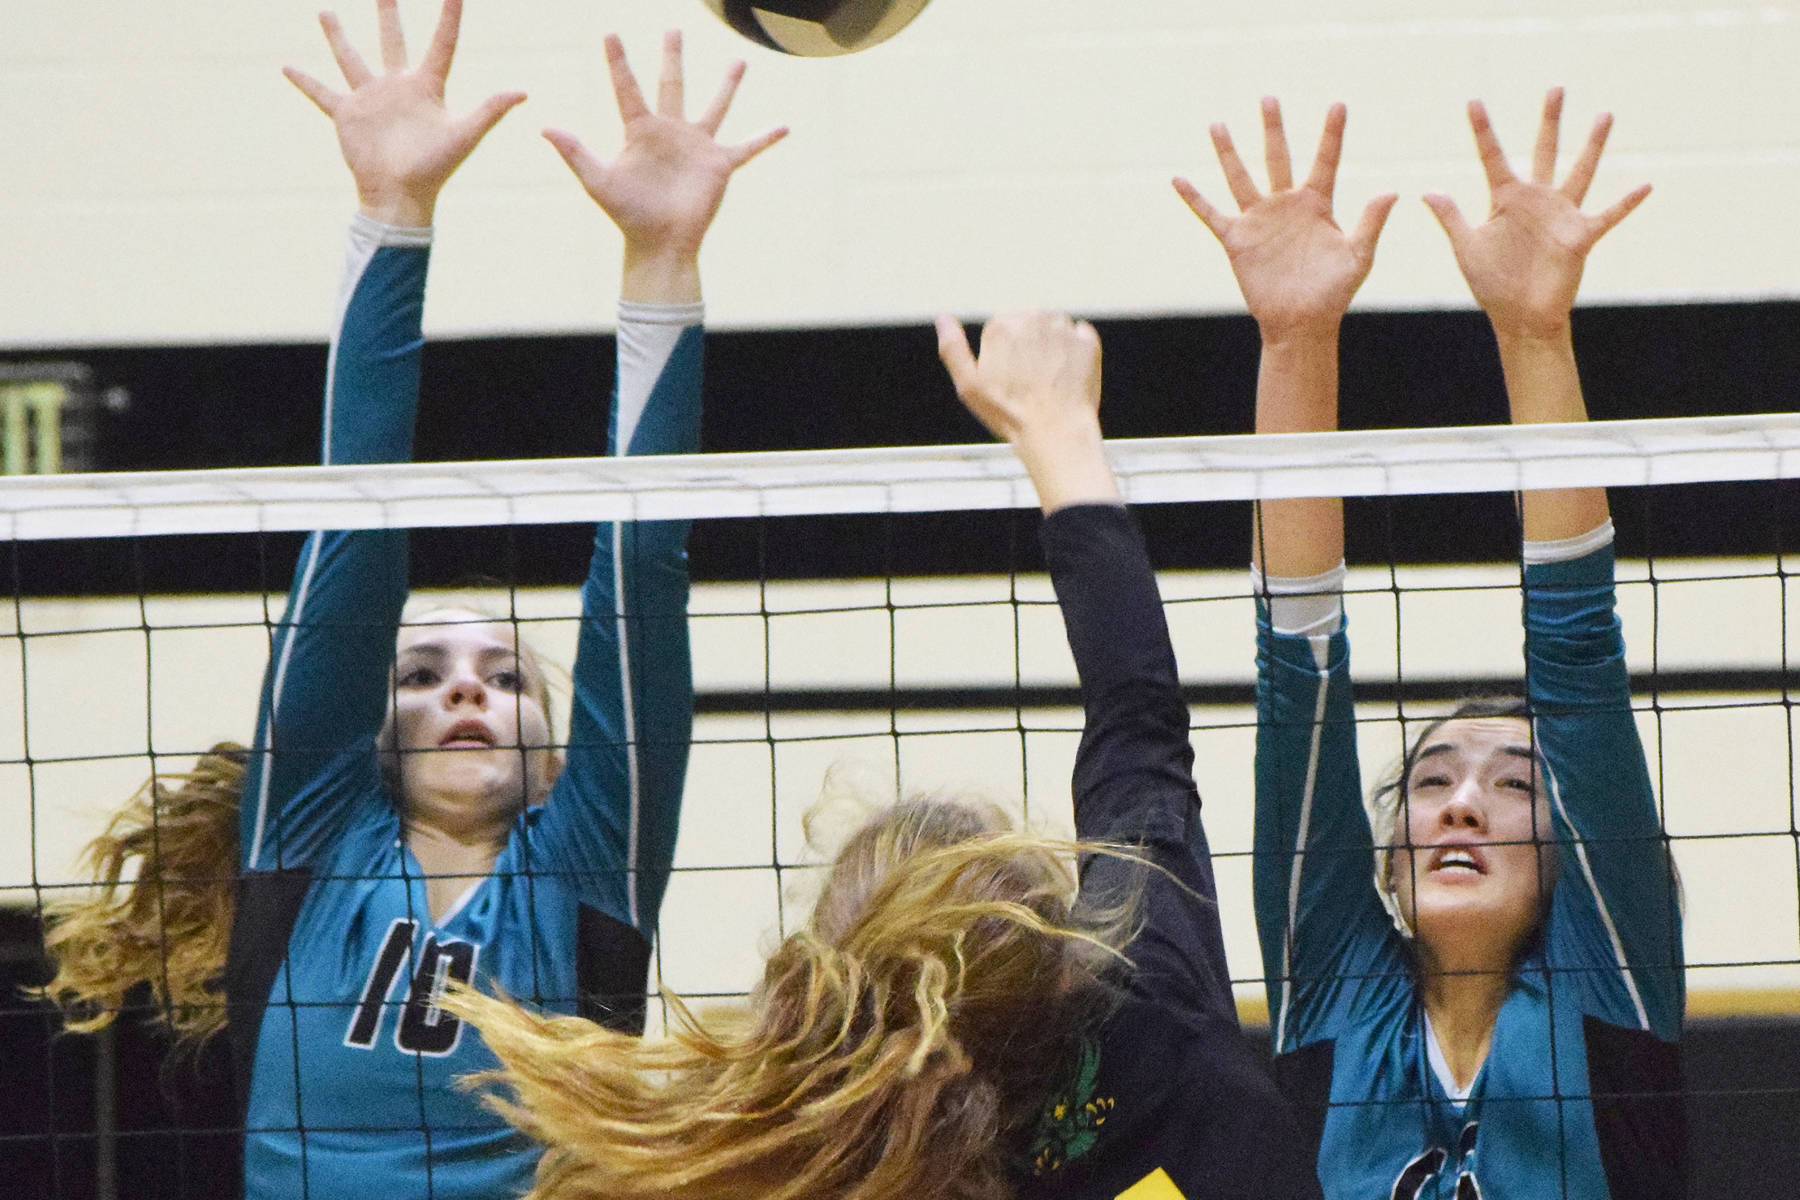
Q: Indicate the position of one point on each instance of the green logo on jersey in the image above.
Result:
(1070, 1125)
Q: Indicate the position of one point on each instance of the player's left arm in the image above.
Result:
(1524, 266)
(1615, 911)
(615, 808)
(1616, 904)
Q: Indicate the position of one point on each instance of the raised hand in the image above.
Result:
(397, 137)
(1524, 262)
(665, 185)
(1036, 385)
(1296, 268)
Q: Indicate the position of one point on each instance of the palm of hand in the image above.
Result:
(395, 132)
(1524, 263)
(666, 184)
(1038, 371)
(1293, 263)
(399, 141)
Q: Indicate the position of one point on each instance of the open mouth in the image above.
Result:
(1458, 860)
(466, 735)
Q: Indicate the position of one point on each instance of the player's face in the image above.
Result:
(1474, 863)
(468, 712)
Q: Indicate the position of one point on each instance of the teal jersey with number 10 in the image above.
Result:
(337, 962)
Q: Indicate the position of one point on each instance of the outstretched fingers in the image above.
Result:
(393, 39)
(1581, 175)
(356, 71)
(714, 116)
(1543, 155)
(671, 87)
(1487, 145)
(438, 55)
(1275, 148)
(630, 97)
(1237, 177)
(1323, 178)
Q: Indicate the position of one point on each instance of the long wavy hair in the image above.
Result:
(904, 1043)
(166, 870)
(167, 927)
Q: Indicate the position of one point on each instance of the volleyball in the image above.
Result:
(817, 28)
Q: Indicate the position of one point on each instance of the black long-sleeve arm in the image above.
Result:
(1133, 780)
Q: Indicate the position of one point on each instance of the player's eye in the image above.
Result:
(1519, 785)
(1430, 781)
(508, 681)
(416, 677)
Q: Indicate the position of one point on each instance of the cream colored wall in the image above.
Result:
(94, 684)
(164, 184)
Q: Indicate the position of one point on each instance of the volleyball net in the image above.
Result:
(879, 670)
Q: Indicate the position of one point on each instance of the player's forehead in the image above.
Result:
(1477, 739)
(455, 631)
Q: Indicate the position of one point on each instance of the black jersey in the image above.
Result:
(1165, 1098)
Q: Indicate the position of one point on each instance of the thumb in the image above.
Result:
(487, 115)
(580, 159)
(1619, 210)
(1370, 224)
(1214, 220)
(1448, 215)
(958, 359)
(323, 97)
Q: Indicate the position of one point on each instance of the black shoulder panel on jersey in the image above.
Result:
(612, 970)
(1304, 1077)
(1640, 1117)
(268, 904)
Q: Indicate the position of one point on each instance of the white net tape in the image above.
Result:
(1498, 458)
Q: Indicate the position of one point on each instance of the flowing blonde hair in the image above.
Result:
(170, 926)
(903, 1044)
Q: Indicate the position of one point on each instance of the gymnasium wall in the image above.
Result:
(163, 183)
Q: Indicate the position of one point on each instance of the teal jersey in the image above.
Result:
(336, 962)
(1580, 1092)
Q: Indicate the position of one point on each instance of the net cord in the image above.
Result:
(1389, 462)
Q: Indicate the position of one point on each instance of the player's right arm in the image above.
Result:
(325, 689)
(1321, 927)
(1037, 385)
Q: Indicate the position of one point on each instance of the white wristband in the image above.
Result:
(1570, 548)
(1303, 605)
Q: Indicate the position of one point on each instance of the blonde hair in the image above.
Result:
(170, 926)
(903, 1044)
